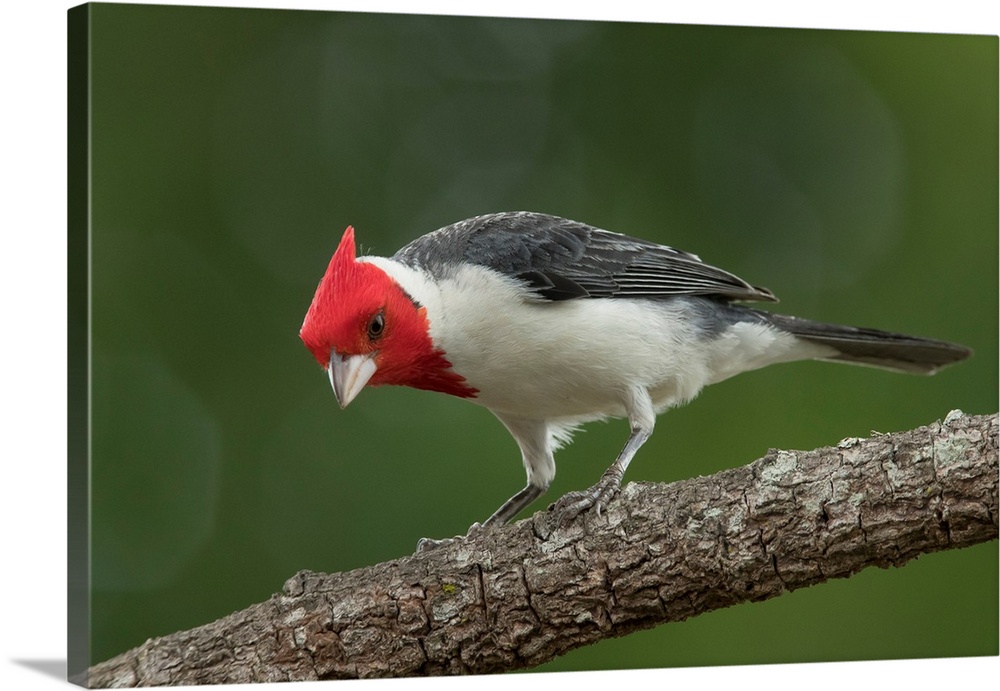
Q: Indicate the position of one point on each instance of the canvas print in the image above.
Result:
(408, 345)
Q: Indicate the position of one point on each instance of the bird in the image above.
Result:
(551, 323)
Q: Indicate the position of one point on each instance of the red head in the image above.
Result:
(362, 328)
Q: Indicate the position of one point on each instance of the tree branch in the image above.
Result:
(518, 596)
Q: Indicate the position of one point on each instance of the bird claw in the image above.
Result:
(572, 504)
(426, 544)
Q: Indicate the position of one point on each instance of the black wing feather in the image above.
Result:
(560, 259)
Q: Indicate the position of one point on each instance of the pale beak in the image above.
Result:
(349, 375)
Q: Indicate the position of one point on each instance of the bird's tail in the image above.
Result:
(872, 347)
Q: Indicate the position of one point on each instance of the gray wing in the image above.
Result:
(559, 259)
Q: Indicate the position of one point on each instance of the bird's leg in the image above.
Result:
(532, 437)
(513, 506)
(641, 418)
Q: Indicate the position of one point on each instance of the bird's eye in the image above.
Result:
(376, 326)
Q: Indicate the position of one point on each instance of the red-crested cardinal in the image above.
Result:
(550, 323)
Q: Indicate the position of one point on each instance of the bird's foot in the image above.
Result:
(426, 544)
(572, 504)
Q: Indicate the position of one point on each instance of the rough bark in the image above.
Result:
(518, 596)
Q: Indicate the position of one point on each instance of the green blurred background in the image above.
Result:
(854, 173)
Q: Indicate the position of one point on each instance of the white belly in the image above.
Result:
(575, 360)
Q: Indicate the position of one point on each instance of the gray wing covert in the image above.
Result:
(560, 259)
